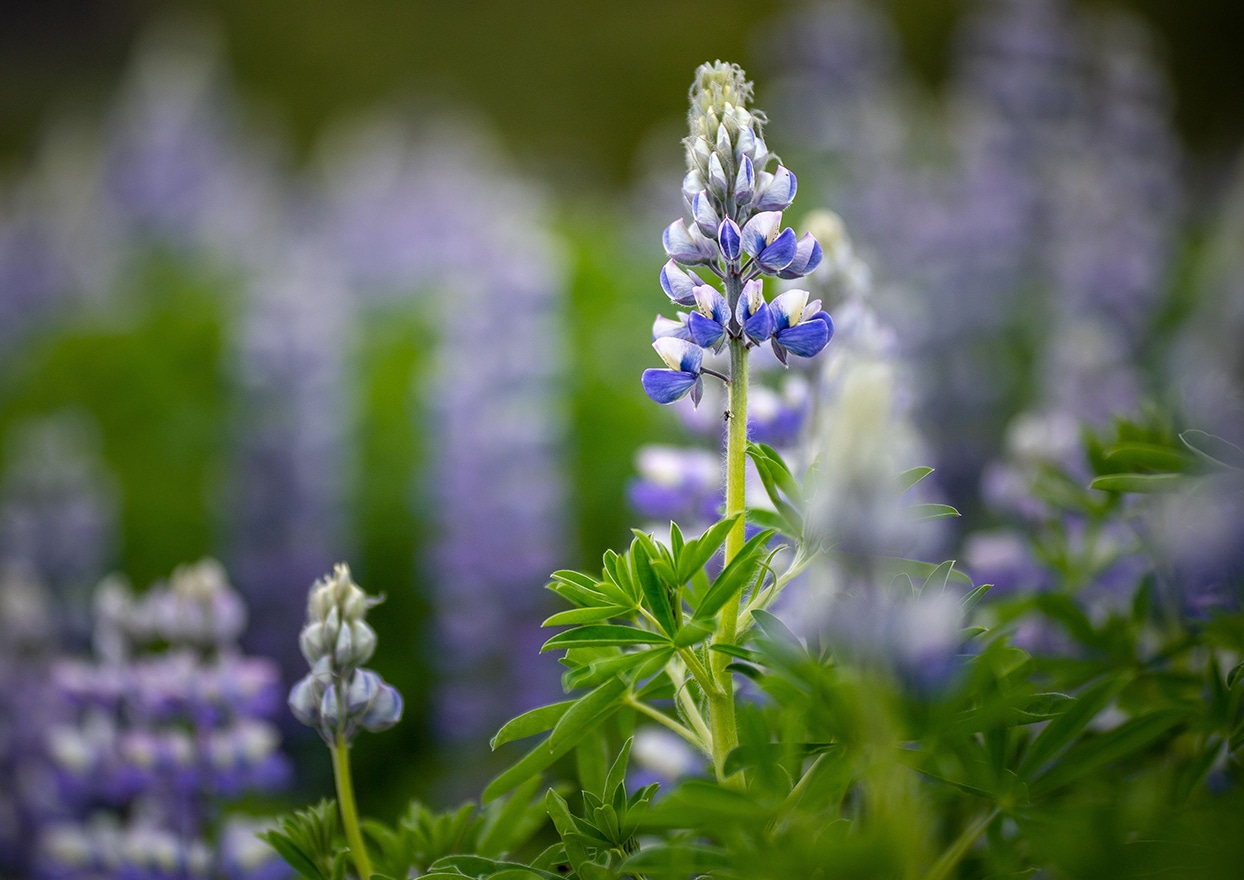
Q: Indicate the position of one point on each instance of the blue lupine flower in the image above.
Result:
(763, 239)
(753, 313)
(799, 327)
(678, 285)
(729, 240)
(685, 360)
(807, 257)
(688, 247)
(676, 327)
(708, 324)
(776, 191)
(704, 214)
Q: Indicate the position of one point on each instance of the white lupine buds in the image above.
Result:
(337, 696)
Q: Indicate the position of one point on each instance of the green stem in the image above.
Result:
(349, 812)
(721, 704)
(946, 864)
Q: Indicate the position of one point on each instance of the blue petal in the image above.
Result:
(806, 339)
(728, 238)
(678, 285)
(759, 326)
(756, 231)
(704, 214)
(780, 191)
(777, 256)
(666, 386)
(807, 258)
(705, 332)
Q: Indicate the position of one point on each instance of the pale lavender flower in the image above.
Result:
(150, 740)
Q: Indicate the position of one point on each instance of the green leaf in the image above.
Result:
(656, 596)
(1129, 738)
(734, 577)
(293, 855)
(695, 631)
(738, 651)
(923, 512)
(915, 568)
(531, 722)
(1142, 483)
(581, 719)
(577, 588)
(1060, 732)
(699, 551)
(968, 602)
(587, 615)
(772, 626)
(597, 671)
(588, 711)
(912, 476)
(505, 829)
(1214, 449)
(603, 635)
(1137, 455)
(936, 581)
(771, 459)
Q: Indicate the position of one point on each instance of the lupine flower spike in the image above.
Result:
(339, 696)
(735, 205)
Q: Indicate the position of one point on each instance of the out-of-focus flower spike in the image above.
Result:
(385, 710)
(729, 240)
(777, 191)
(717, 180)
(808, 256)
(687, 247)
(706, 219)
(678, 285)
(304, 701)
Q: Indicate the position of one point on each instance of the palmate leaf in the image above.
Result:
(530, 723)
(634, 665)
(1064, 729)
(577, 722)
(604, 635)
(1128, 739)
(656, 596)
(308, 840)
(742, 570)
(779, 484)
(698, 552)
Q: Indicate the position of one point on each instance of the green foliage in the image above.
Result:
(310, 840)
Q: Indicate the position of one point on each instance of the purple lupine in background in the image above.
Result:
(434, 220)
(1050, 200)
(58, 511)
(28, 639)
(153, 737)
(291, 461)
(179, 168)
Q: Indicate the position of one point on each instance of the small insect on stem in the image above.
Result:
(726, 416)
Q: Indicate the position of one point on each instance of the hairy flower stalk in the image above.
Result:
(735, 204)
(339, 696)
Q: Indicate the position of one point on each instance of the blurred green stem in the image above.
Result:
(349, 812)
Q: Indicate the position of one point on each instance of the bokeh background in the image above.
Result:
(373, 282)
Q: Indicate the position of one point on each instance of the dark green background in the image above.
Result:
(573, 86)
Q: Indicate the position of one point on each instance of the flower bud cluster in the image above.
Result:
(735, 204)
(338, 696)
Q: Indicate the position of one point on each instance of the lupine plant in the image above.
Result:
(890, 726)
